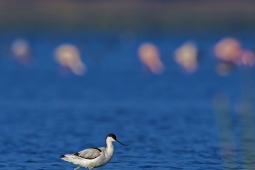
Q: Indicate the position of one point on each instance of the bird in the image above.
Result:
(93, 157)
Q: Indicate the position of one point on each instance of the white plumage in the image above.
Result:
(93, 157)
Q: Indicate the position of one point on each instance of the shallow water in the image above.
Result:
(168, 121)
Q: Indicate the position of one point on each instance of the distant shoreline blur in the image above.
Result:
(126, 15)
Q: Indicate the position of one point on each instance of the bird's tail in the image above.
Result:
(69, 157)
(62, 156)
(66, 157)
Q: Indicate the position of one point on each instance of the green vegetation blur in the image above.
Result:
(151, 15)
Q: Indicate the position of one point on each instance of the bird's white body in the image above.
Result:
(92, 157)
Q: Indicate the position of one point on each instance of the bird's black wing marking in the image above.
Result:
(98, 149)
(91, 153)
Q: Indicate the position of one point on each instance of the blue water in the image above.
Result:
(168, 120)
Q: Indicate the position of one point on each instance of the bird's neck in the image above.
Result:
(109, 147)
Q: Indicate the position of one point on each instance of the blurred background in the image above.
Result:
(172, 79)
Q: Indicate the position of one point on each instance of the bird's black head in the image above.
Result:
(114, 138)
(112, 135)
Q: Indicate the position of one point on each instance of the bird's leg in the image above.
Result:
(77, 168)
